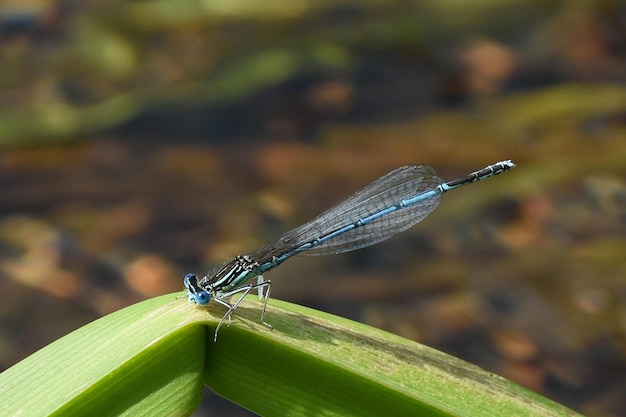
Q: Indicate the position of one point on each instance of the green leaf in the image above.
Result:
(314, 363)
(144, 360)
(152, 358)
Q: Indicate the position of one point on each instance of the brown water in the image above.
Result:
(136, 149)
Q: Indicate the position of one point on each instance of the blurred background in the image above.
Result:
(140, 141)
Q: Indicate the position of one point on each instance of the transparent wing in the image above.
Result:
(387, 191)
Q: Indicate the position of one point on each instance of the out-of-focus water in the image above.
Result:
(139, 145)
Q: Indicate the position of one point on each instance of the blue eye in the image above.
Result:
(202, 297)
(190, 281)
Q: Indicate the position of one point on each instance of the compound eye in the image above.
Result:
(202, 297)
(190, 280)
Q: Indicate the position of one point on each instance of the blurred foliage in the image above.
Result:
(69, 71)
(193, 131)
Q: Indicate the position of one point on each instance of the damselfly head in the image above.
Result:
(195, 293)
